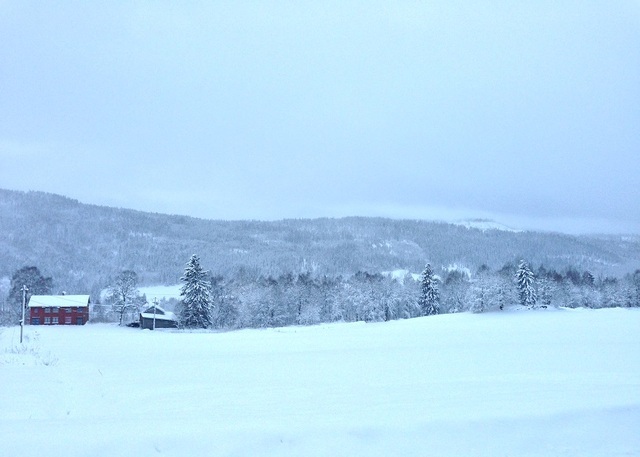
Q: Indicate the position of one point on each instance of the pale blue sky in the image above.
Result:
(525, 112)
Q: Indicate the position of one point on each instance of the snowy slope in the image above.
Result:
(485, 224)
(557, 382)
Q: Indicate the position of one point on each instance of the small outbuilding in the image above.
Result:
(156, 317)
(58, 309)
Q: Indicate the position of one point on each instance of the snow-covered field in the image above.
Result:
(160, 292)
(552, 383)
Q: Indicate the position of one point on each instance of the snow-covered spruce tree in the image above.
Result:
(524, 282)
(195, 310)
(36, 285)
(429, 294)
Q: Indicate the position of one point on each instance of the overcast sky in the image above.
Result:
(527, 112)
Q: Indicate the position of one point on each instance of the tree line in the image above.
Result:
(307, 299)
(244, 300)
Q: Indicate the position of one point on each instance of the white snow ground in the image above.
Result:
(517, 383)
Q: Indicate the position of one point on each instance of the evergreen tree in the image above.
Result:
(524, 281)
(588, 279)
(430, 295)
(36, 285)
(195, 311)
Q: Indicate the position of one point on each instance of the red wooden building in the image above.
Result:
(58, 309)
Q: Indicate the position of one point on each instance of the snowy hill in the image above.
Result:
(544, 383)
(83, 246)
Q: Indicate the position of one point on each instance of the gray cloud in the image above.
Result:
(525, 113)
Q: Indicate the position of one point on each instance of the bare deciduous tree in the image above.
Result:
(124, 295)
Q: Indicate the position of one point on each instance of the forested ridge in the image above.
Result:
(82, 247)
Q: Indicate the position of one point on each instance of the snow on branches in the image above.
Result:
(524, 281)
(195, 311)
(429, 294)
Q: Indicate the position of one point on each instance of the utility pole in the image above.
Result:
(24, 306)
(155, 305)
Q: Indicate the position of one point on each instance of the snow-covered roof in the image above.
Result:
(161, 314)
(61, 301)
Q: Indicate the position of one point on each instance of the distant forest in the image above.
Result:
(83, 247)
